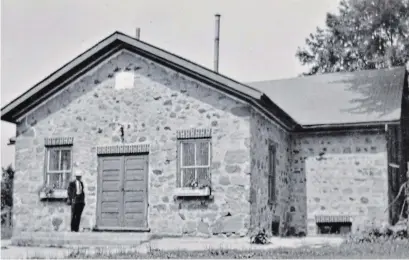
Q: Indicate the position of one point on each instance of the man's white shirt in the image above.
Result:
(78, 187)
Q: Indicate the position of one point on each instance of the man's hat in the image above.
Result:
(78, 173)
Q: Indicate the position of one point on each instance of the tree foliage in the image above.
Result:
(364, 34)
(7, 187)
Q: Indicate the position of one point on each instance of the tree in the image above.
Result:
(365, 34)
(7, 187)
(6, 201)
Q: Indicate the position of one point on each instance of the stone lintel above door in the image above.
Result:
(123, 149)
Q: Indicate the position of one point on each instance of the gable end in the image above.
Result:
(116, 42)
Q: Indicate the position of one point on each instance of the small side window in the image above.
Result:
(272, 173)
(334, 228)
(335, 225)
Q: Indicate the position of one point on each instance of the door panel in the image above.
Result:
(134, 207)
(131, 186)
(136, 196)
(109, 220)
(135, 191)
(111, 201)
(123, 200)
(111, 175)
(111, 186)
(110, 196)
(110, 207)
(135, 175)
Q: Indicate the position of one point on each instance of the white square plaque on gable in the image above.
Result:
(124, 80)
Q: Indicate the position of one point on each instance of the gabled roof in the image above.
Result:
(117, 41)
(336, 100)
(361, 97)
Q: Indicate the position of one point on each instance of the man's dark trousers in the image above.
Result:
(76, 211)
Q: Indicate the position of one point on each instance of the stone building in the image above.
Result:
(169, 147)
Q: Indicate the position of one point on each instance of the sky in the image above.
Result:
(258, 38)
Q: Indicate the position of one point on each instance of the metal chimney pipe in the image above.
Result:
(216, 43)
(137, 33)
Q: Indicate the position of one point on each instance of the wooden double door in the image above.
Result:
(122, 192)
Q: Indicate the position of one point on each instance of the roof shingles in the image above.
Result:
(339, 98)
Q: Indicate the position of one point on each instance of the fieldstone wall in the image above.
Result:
(263, 131)
(151, 102)
(315, 175)
(339, 175)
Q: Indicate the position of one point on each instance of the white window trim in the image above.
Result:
(195, 166)
(63, 172)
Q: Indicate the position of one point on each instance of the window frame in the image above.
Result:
(272, 173)
(48, 172)
(335, 228)
(179, 167)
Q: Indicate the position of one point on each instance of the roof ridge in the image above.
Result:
(190, 61)
(117, 41)
(115, 35)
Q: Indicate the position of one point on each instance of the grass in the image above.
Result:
(381, 249)
(31, 242)
(6, 232)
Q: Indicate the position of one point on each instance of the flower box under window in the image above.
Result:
(190, 192)
(56, 194)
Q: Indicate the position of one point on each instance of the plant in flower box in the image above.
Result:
(201, 184)
(47, 190)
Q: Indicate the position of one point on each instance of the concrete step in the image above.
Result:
(74, 239)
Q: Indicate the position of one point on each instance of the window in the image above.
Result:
(327, 224)
(336, 228)
(194, 162)
(275, 228)
(58, 166)
(275, 225)
(272, 173)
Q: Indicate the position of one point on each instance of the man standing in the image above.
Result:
(76, 198)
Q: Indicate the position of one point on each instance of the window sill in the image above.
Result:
(57, 194)
(190, 192)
